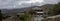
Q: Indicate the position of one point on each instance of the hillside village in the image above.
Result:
(21, 10)
(39, 10)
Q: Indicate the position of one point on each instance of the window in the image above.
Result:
(38, 10)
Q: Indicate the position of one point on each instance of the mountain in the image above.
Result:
(21, 10)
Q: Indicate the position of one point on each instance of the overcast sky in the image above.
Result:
(10, 4)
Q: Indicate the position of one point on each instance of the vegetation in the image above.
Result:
(55, 10)
(31, 12)
(50, 12)
(0, 16)
(6, 17)
(25, 17)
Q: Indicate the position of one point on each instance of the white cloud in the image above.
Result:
(31, 1)
(51, 1)
(9, 4)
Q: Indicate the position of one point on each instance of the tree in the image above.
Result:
(0, 16)
(55, 10)
(50, 12)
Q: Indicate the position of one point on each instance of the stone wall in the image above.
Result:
(53, 18)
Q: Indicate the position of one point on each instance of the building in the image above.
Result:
(38, 10)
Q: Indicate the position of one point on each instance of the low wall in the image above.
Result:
(52, 18)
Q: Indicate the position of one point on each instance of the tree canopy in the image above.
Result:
(55, 10)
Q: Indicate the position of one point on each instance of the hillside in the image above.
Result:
(19, 10)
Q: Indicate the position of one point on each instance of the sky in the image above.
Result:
(11, 4)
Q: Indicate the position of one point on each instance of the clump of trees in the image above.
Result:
(55, 10)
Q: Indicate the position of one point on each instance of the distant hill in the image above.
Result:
(19, 10)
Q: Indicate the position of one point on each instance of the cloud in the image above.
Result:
(51, 1)
(10, 4)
